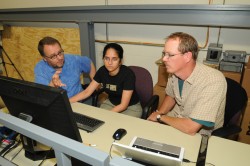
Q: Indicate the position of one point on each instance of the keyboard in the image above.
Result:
(87, 123)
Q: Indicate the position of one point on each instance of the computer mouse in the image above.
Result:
(119, 133)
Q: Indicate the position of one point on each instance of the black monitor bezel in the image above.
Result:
(14, 92)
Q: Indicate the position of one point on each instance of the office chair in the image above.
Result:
(144, 89)
(236, 101)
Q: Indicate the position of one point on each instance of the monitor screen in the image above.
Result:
(49, 107)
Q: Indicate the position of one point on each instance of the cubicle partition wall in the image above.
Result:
(63, 146)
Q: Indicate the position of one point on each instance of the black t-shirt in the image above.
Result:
(114, 85)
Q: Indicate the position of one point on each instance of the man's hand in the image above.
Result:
(56, 82)
(153, 116)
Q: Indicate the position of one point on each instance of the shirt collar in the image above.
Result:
(192, 77)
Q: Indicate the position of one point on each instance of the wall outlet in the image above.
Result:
(1, 27)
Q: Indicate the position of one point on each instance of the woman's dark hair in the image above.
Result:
(46, 41)
(116, 47)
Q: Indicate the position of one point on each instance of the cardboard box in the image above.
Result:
(244, 136)
(160, 91)
(233, 75)
(162, 74)
(2, 105)
(159, 88)
(246, 80)
(248, 63)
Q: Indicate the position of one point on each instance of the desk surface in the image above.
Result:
(102, 137)
(223, 152)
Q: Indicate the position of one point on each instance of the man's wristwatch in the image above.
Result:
(158, 117)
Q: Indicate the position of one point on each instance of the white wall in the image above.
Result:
(6, 4)
(141, 55)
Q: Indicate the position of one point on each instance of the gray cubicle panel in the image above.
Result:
(62, 146)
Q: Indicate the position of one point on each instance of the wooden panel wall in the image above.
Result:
(20, 43)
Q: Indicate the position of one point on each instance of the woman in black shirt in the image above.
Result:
(118, 82)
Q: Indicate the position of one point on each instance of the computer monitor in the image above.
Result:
(49, 108)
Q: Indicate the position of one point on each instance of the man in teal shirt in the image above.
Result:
(195, 94)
